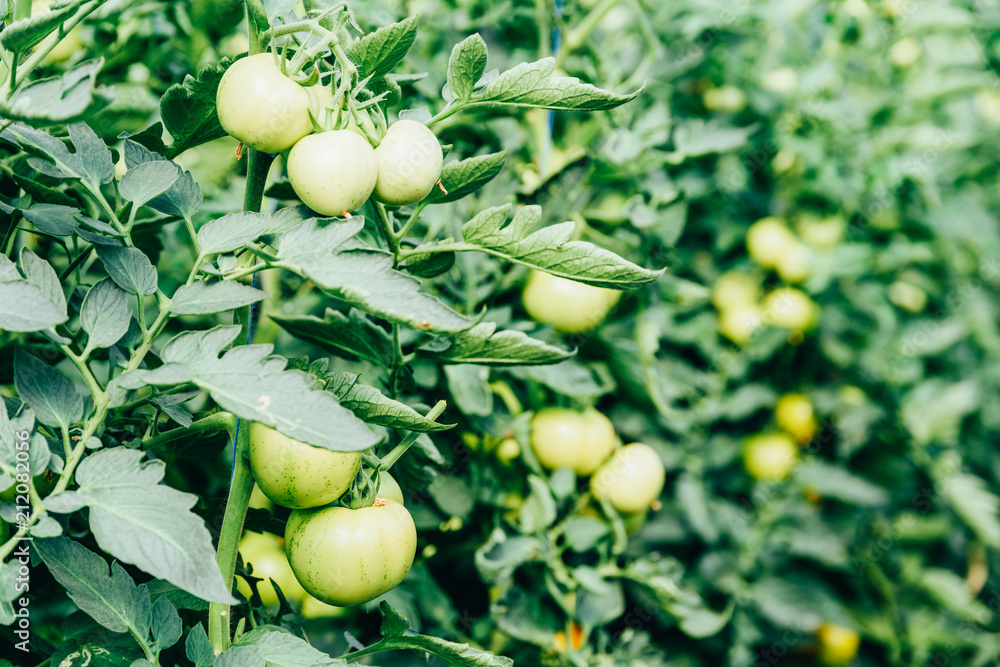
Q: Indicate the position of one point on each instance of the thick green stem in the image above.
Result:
(385, 224)
(389, 459)
(217, 423)
(229, 538)
(579, 34)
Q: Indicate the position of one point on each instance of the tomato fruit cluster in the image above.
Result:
(335, 171)
(335, 555)
(630, 478)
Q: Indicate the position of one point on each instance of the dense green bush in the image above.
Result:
(816, 369)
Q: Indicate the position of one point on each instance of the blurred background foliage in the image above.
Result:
(865, 134)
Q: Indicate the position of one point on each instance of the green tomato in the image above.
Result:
(294, 474)
(631, 479)
(263, 552)
(770, 456)
(409, 163)
(345, 557)
(563, 438)
(838, 645)
(794, 413)
(734, 289)
(333, 173)
(768, 240)
(261, 107)
(313, 608)
(389, 488)
(790, 308)
(739, 322)
(567, 305)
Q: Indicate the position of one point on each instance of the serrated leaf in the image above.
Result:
(551, 249)
(978, 507)
(376, 54)
(198, 648)
(466, 176)
(533, 85)
(183, 199)
(94, 154)
(53, 218)
(233, 231)
(430, 266)
(470, 389)
(40, 273)
(104, 314)
(466, 66)
(23, 307)
(484, 345)
(275, 9)
(21, 35)
(241, 656)
(280, 648)
(353, 335)
(58, 161)
(59, 99)
(129, 268)
(38, 450)
(166, 624)
(52, 396)
(64, 502)
(252, 384)
(371, 405)
(363, 276)
(394, 624)
(188, 109)
(836, 482)
(113, 601)
(202, 298)
(143, 522)
(147, 181)
(46, 527)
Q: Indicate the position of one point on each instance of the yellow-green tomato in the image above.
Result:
(264, 554)
(770, 456)
(768, 240)
(838, 645)
(345, 557)
(294, 474)
(260, 106)
(567, 305)
(734, 289)
(563, 438)
(258, 500)
(409, 163)
(739, 322)
(796, 264)
(794, 413)
(631, 479)
(333, 173)
(790, 308)
(389, 488)
(313, 608)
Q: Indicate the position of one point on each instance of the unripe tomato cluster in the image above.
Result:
(772, 456)
(567, 305)
(339, 556)
(630, 478)
(335, 171)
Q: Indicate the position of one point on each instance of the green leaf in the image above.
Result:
(466, 66)
(140, 521)
(53, 218)
(147, 181)
(252, 384)
(21, 35)
(934, 409)
(484, 345)
(104, 314)
(539, 510)
(280, 648)
(466, 176)
(58, 162)
(129, 268)
(394, 624)
(94, 154)
(533, 85)
(183, 199)
(551, 249)
(376, 54)
(166, 624)
(694, 617)
(198, 648)
(8, 590)
(695, 137)
(832, 481)
(978, 507)
(363, 276)
(188, 109)
(40, 273)
(469, 387)
(52, 396)
(371, 405)
(202, 298)
(570, 377)
(113, 601)
(59, 99)
(39, 454)
(352, 335)
(430, 266)
(241, 656)
(275, 9)
(231, 232)
(23, 307)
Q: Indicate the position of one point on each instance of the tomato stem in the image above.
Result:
(389, 459)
